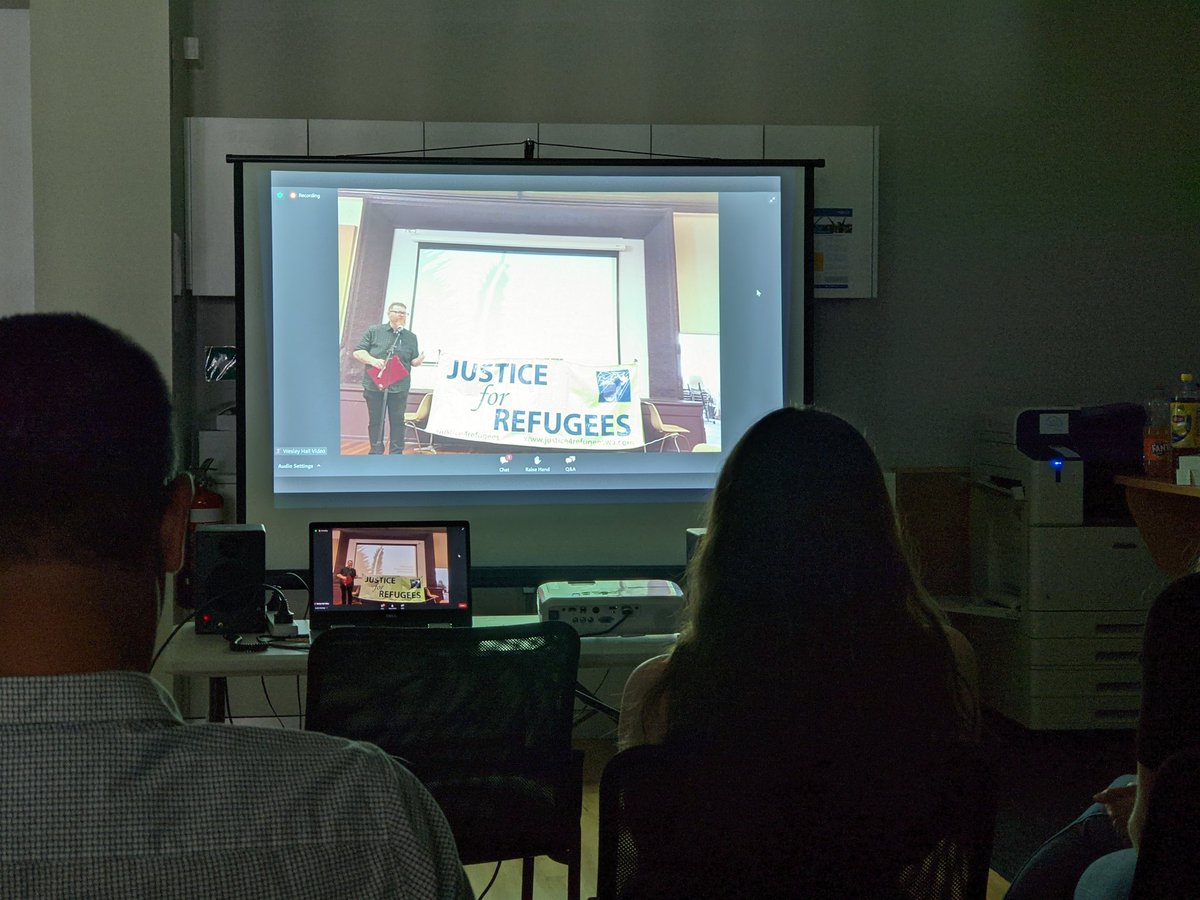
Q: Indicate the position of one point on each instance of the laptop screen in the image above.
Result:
(390, 573)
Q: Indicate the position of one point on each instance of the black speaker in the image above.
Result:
(229, 566)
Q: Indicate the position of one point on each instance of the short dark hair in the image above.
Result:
(86, 449)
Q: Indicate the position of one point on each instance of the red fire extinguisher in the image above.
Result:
(208, 508)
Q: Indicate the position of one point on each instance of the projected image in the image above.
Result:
(490, 322)
(387, 569)
(462, 330)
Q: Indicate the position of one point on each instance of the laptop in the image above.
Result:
(407, 574)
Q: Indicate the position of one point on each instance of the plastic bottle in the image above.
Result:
(1185, 424)
(1158, 456)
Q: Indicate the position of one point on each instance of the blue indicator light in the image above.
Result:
(1057, 463)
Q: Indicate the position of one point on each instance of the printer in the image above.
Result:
(1061, 460)
(1063, 573)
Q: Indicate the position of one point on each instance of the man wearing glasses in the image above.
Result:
(388, 352)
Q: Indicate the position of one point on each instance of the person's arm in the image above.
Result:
(1137, 818)
(1118, 803)
(364, 357)
(419, 359)
(362, 352)
(637, 726)
(1170, 718)
(422, 838)
(964, 657)
(964, 660)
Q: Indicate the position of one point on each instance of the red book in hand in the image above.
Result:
(393, 370)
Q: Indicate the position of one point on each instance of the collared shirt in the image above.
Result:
(106, 792)
(377, 340)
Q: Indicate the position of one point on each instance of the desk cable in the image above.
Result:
(199, 609)
(491, 881)
(597, 705)
(307, 590)
(610, 628)
(208, 603)
(263, 681)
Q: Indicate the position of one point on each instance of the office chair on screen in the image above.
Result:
(673, 827)
(1168, 863)
(482, 716)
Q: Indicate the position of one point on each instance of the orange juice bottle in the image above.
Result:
(1185, 417)
(1158, 456)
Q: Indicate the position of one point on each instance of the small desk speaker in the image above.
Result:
(229, 567)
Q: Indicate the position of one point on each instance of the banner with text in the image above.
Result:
(392, 589)
(534, 402)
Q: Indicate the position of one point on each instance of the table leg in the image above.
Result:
(218, 691)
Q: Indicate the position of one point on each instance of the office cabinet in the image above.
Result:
(1067, 652)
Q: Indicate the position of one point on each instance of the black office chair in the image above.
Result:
(673, 827)
(1168, 864)
(482, 716)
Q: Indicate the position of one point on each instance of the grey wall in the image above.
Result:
(101, 173)
(16, 173)
(1038, 190)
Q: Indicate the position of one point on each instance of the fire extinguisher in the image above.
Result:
(208, 507)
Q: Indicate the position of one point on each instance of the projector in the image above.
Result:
(594, 608)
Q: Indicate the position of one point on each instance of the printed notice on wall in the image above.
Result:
(832, 230)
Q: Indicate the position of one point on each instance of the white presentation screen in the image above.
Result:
(446, 333)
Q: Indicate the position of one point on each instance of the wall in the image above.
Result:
(101, 165)
(16, 174)
(1039, 227)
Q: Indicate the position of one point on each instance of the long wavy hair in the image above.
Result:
(806, 629)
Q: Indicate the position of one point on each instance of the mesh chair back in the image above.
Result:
(482, 716)
(673, 827)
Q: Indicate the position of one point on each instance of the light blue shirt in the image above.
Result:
(106, 792)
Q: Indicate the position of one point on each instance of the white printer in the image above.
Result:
(1064, 572)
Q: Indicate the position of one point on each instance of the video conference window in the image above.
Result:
(470, 330)
(387, 569)
(555, 328)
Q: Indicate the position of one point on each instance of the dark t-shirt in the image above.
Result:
(1170, 719)
(377, 341)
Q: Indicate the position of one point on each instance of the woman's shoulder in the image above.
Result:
(1185, 590)
(641, 681)
(1173, 619)
(1176, 607)
(637, 724)
(964, 655)
(647, 674)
